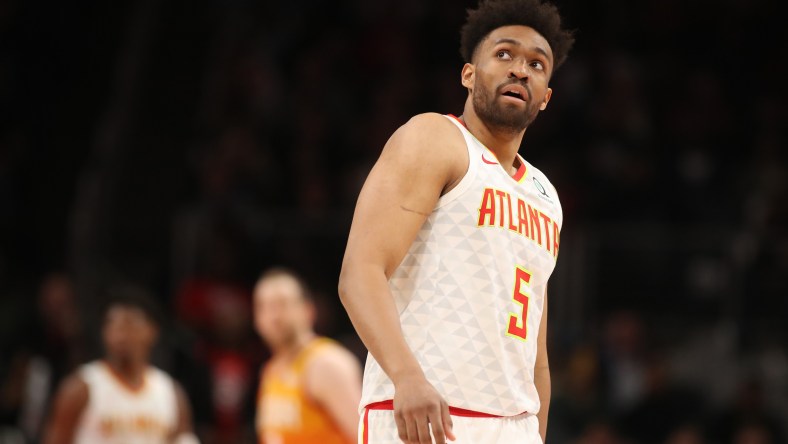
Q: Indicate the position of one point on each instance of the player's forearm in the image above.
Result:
(365, 293)
(544, 388)
(347, 420)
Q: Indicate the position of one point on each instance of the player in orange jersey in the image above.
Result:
(122, 399)
(311, 386)
(453, 240)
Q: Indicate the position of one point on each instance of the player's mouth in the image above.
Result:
(515, 92)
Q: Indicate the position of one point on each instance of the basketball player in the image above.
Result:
(311, 386)
(453, 240)
(122, 399)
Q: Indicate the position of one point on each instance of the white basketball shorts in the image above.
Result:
(377, 426)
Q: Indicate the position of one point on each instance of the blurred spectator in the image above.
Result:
(599, 431)
(231, 356)
(60, 324)
(215, 306)
(623, 359)
(754, 433)
(747, 420)
(664, 406)
(688, 433)
(577, 398)
(48, 348)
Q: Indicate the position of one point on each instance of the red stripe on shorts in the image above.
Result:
(454, 411)
(365, 432)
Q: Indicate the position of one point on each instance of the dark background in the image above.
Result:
(186, 146)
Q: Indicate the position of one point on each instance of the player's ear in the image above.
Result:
(468, 73)
(311, 311)
(547, 96)
(153, 332)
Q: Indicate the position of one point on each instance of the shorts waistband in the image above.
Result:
(454, 411)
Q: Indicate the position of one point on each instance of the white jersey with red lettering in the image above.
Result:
(119, 414)
(470, 290)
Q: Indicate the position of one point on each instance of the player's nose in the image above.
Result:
(519, 71)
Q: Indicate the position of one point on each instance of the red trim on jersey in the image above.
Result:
(454, 411)
(520, 174)
(521, 170)
(458, 119)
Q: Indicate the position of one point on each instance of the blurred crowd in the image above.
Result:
(187, 146)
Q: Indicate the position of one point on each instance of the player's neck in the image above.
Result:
(502, 143)
(131, 372)
(290, 351)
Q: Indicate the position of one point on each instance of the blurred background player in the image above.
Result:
(122, 398)
(311, 386)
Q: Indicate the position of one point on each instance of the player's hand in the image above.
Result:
(419, 407)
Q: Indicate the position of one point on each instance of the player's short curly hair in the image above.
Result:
(537, 14)
(133, 296)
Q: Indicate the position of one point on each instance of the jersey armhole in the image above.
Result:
(470, 173)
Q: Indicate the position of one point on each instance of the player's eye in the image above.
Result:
(538, 65)
(503, 55)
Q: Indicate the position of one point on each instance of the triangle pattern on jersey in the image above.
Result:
(454, 289)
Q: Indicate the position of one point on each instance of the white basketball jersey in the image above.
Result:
(471, 289)
(118, 414)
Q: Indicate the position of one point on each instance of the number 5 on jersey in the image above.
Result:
(517, 323)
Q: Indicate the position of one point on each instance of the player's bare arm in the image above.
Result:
(542, 373)
(333, 380)
(69, 403)
(423, 159)
(184, 430)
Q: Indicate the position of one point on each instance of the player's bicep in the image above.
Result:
(334, 381)
(400, 192)
(68, 405)
(184, 424)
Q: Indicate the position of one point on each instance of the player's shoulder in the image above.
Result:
(428, 142)
(330, 353)
(91, 371)
(74, 387)
(429, 125)
(158, 373)
(70, 400)
(163, 380)
(428, 121)
(331, 365)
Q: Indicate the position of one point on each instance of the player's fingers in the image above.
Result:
(423, 430)
(447, 422)
(436, 424)
(413, 431)
(402, 427)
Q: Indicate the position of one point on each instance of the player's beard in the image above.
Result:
(502, 116)
(286, 338)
